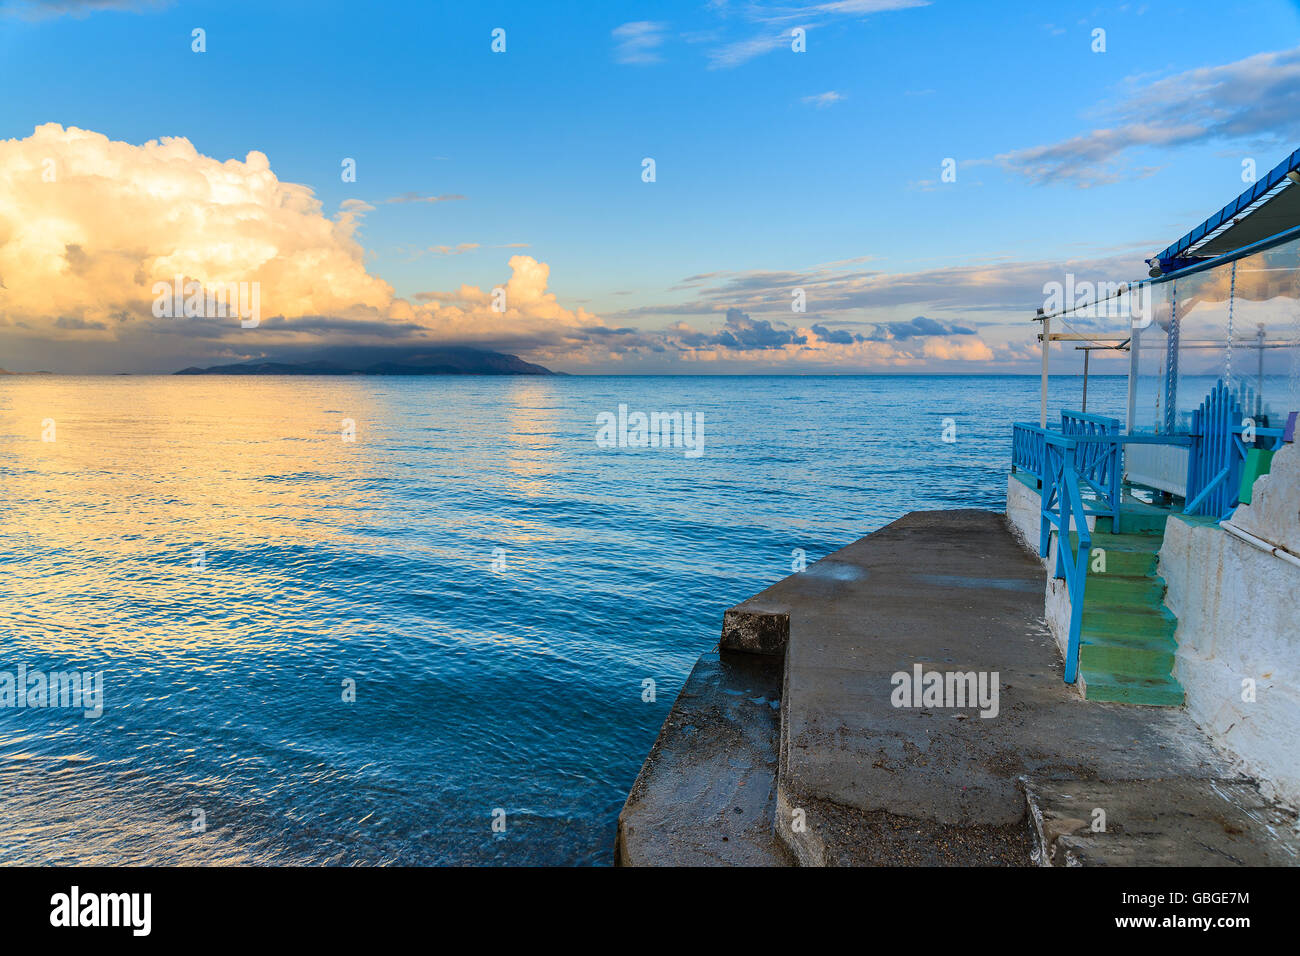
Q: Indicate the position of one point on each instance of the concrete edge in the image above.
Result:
(752, 629)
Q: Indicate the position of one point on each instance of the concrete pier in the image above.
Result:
(859, 779)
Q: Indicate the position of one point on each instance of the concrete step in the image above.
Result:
(1173, 822)
(1125, 689)
(707, 791)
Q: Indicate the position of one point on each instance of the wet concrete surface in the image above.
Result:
(707, 790)
(859, 779)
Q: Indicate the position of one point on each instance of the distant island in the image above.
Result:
(443, 361)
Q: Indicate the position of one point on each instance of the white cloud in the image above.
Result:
(638, 42)
(87, 225)
(822, 100)
(773, 24)
(1254, 100)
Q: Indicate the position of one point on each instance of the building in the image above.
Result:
(1172, 539)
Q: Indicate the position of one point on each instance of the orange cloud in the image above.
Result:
(87, 225)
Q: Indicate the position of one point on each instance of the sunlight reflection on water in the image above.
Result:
(325, 561)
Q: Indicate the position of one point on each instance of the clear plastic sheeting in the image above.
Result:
(1238, 322)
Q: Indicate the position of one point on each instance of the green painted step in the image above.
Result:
(1128, 619)
(1111, 589)
(1152, 659)
(1126, 642)
(1135, 523)
(1125, 563)
(1159, 636)
(1126, 554)
(1123, 689)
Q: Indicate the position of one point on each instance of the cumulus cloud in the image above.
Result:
(88, 225)
(1256, 99)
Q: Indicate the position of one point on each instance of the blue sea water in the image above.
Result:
(233, 566)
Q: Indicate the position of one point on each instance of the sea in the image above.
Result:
(414, 620)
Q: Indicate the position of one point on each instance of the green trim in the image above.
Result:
(1258, 462)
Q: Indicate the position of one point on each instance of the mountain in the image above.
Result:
(441, 361)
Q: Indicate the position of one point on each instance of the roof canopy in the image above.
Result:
(1267, 208)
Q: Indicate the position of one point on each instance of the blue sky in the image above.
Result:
(770, 164)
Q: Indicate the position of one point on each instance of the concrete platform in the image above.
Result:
(860, 780)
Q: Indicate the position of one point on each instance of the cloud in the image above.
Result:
(847, 289)
(950, 350)
(742, 51)
(822, 100)
(456, 250)
(1256, 99)
(88, 225)
(893, 331)
(638, 42)
(918, 326)
(45, 9)
(740, 332)
(416, 197)
(769, 25)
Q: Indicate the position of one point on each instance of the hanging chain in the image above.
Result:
(1232, 296)
(1166, 370)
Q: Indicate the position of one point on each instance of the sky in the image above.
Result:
(128, 157)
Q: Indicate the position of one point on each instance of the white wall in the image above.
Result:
(1024, 511)
(1237, 619)
(1238, 610)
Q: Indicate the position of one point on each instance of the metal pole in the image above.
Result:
(1086, 354)
(1042, 402)
(1132, 378)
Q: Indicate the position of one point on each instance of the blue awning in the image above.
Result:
(1270, 206)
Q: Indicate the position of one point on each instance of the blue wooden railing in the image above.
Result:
(1029, 450)
(1218, 452)
(1087, 452)
(1061, 507)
